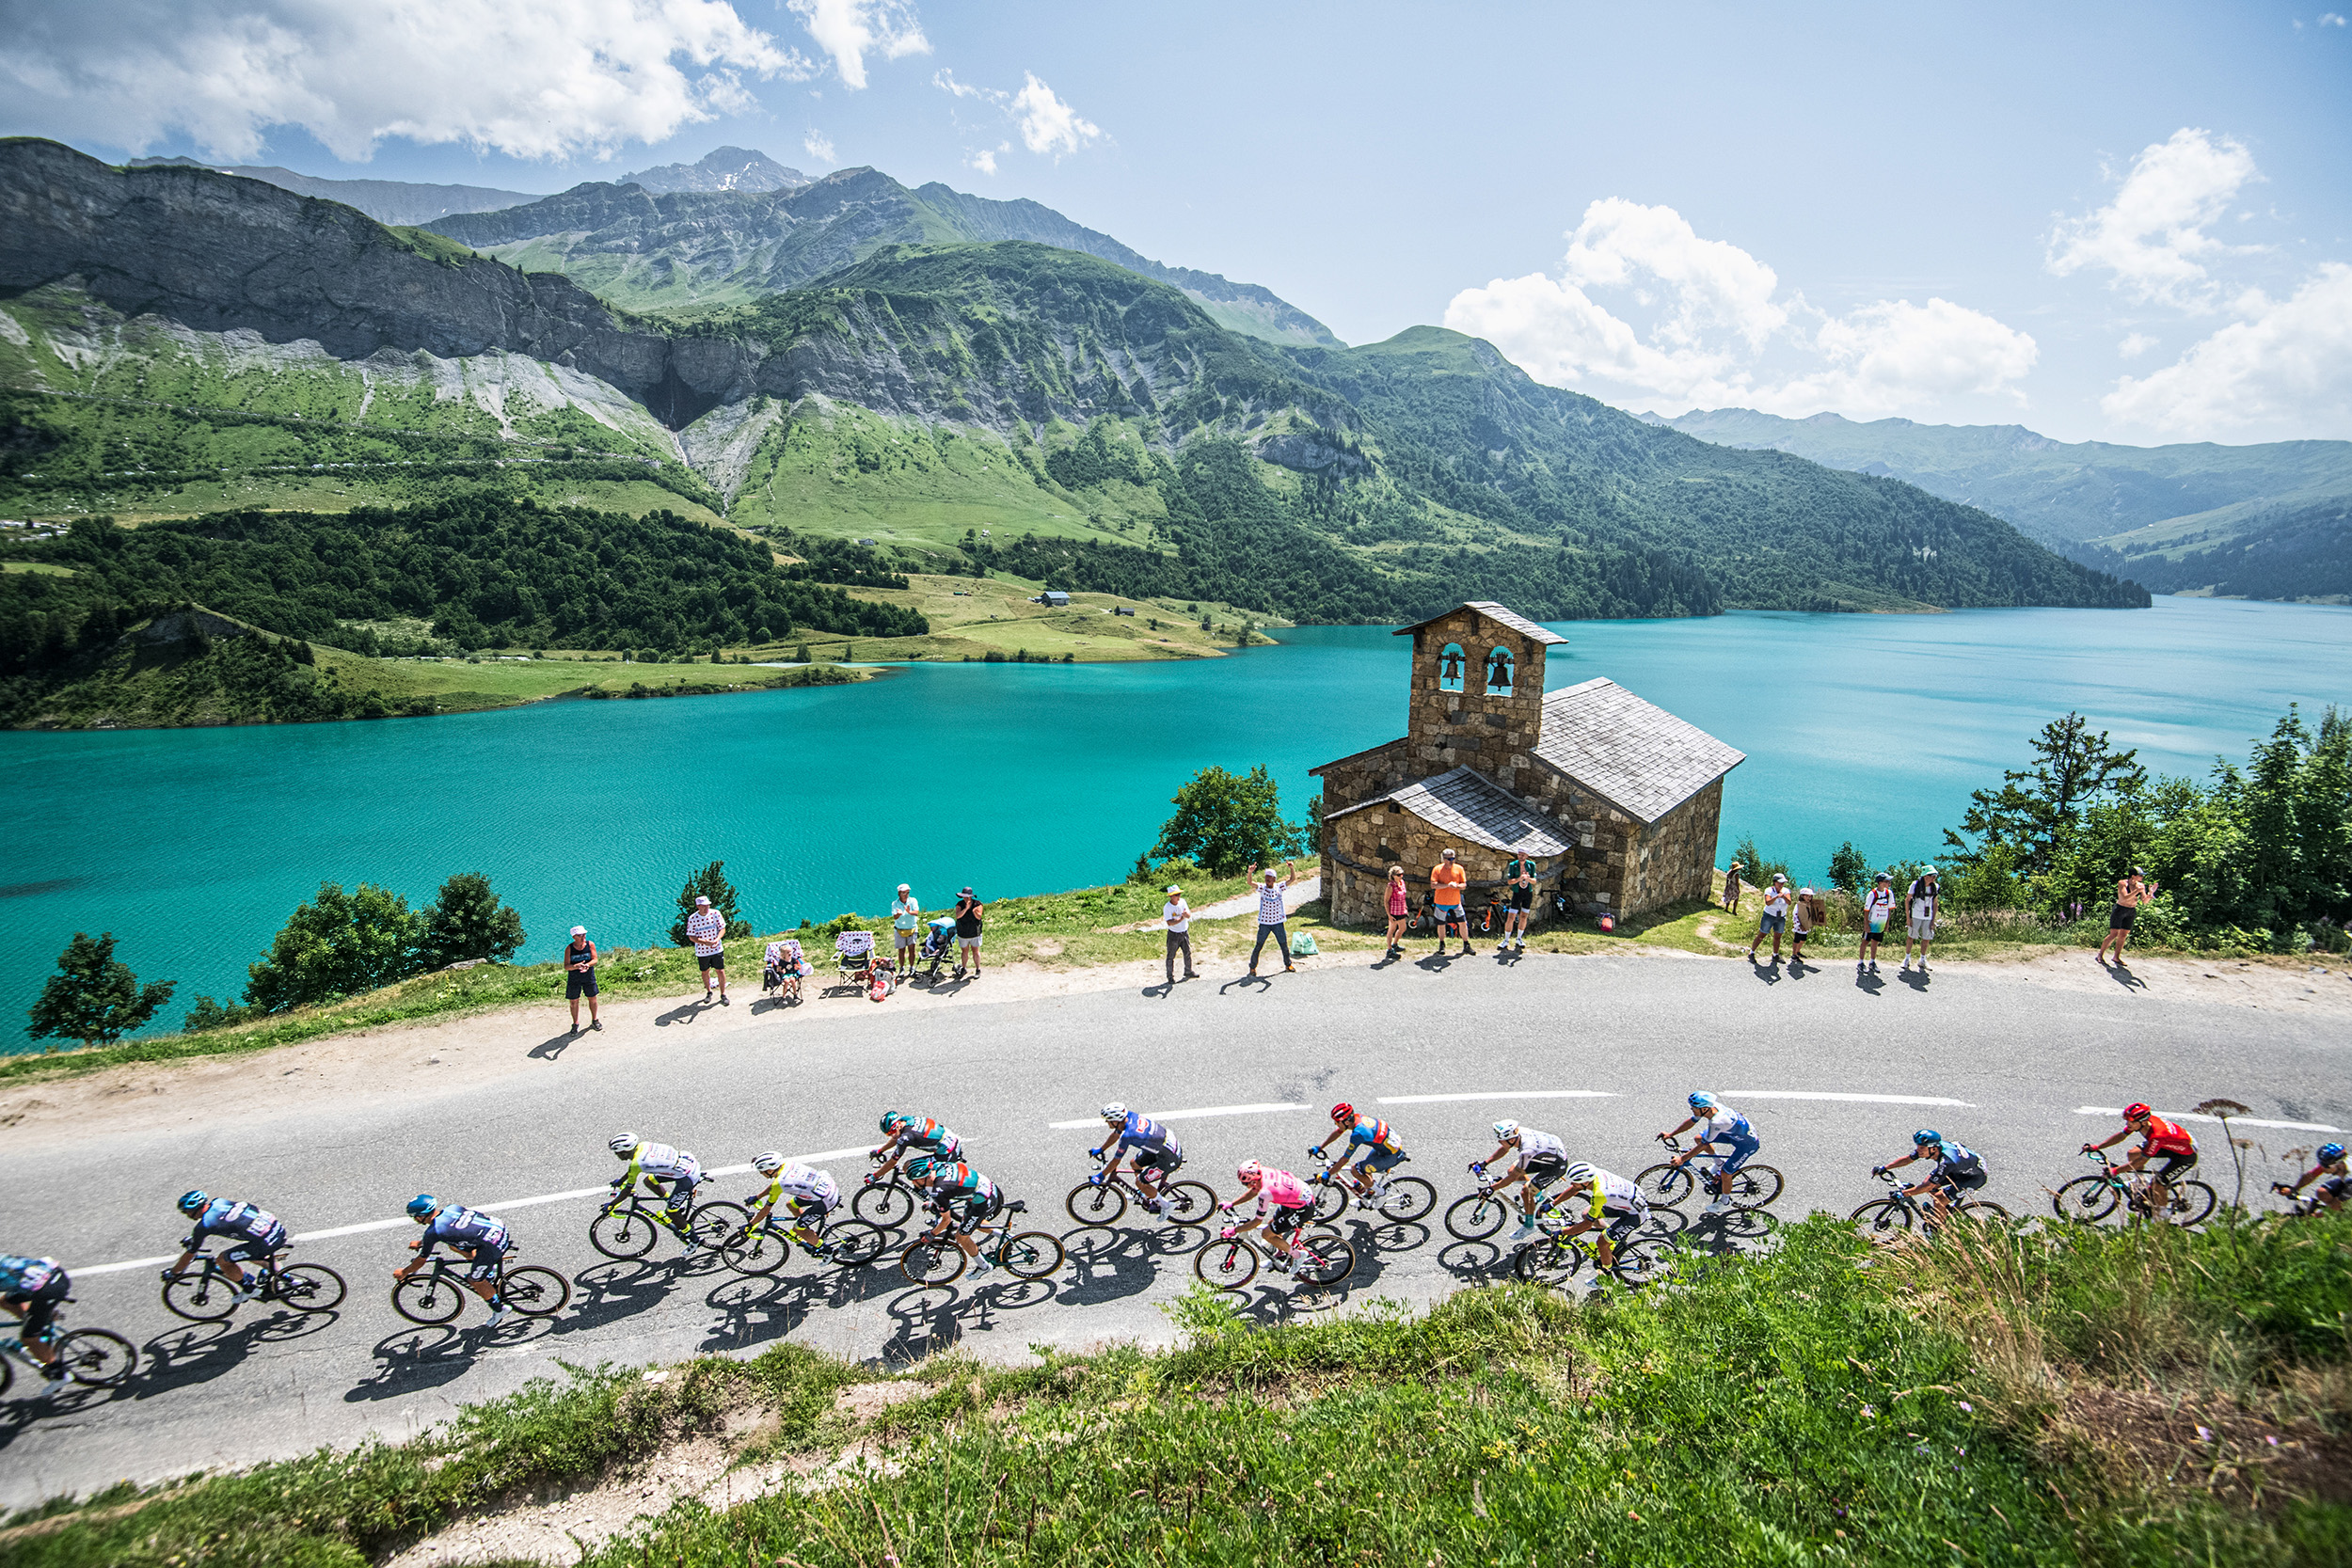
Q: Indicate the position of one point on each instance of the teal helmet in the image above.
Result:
(922, 1169)
(192, 1201)
(894, 1122)
(422, 1207)
(1924, 1136)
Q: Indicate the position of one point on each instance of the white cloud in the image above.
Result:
(1047, 124)
(2136, 344)
(2329, 19)
(532, 78)
(848, 30)
(1716, 316)
(2285, 365)
(818, 145)
(2153, 236)
(985, 159)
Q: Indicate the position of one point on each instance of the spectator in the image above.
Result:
(968, 911)
(1877, 907)
(1177, 915)
(1400, 909)
(1923, 900)
(1800, 926)
(1731, 888)
(579, 977)
(2130, 894)
(1774, 919)
(1446, 882)
(906, 916)
(1273, 918)
(709, 929)
(1519, 876)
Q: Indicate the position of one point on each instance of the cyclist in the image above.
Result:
(1617, 1207)
(256, 1237)
(1282, 1193)
(1717, 1123)
(2327, 1169)
(809, 1195)
(2159, 1139)
(30, 1289)
(671, 1175)
(481, 1238)
(1157, 1154)
(1382, 1149)
(1953, 1169)
(964, 1199)
(905, 1137)
(1541, 1160)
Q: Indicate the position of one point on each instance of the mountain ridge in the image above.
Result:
(387, 201)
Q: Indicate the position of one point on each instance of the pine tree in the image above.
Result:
(710, 882)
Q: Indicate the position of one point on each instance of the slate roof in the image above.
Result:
(1511, 618)
(1637, 755)
(1467, 804)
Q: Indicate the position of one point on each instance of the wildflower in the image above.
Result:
(1970, 1408)
(1870, 1415)
(2204, 1434)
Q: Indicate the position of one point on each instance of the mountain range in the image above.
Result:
(722, 169)
(385, 201)
(2265, 521)
(174, 340)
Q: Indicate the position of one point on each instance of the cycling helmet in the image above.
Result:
(1924, 1136)
(1702, 1102)
(1250, 1170)
(1582, 1172)
(1114, 1112)
(2136, 1110)
(195, 1198)
(624, 1145)
(1343, 1112)
(894, 1120)
(1506, 1130)
(768, 1164)
(421, 1207)
(922, 1168)
(2328, 1155)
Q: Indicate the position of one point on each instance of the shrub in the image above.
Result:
(466, 921)
(338, 945)
(94, 998)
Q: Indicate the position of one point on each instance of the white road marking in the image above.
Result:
(2191, 1116)
(367, 1226)
(1854, 1099)
(1506, 1094)
(1183, 1116)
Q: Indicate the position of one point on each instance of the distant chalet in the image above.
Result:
(1617, 801)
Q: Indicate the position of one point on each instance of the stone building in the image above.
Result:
(1617, 802)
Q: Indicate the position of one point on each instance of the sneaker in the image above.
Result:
(1719, 1206)
(1923, 966)
(1874, 966)
(723, 1000)
(1526, 1225)
(1290, 969)
(595, 1026)
(497, 1315)
(1906, 969)
(982, 1266)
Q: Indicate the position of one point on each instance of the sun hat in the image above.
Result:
(966, 893)
(1929, 872)
(1173, 888)
(702, 901)
(579, 930)
(1886, 876)
(1269, 876)
(904, 887)
(1780, 876)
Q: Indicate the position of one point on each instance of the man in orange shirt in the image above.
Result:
(1445, 890)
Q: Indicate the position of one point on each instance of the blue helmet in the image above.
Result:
(195, 1198)
(1924, 1136)
(2331, 1153)
(1702, 1102)
(420, 1207)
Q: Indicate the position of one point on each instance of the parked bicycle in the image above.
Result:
(1098, 1201)
(437, 1293)
(2091, 1198)
(628, 1226)
(1026, 1255)
(93, 1357)
(1231, 1260)
(1401, 1198)
(764, 1248)
(1671, 1184)
(204, 1294)
(1900, 1210)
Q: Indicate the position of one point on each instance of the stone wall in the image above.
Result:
(1496, 734)
(1363, 845)
(1625, 869)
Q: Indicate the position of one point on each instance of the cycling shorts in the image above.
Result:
(1623, 1223)
(1381, 1160)
(1286, 1221)
(970, 1211)
(482, 1260)
(801, 1206)
(40, 1308)
(2169, 1164)
(1963, 1181)
(1742, 1150)
(1544, 1169)
(1160, 1159)
(256, 1249)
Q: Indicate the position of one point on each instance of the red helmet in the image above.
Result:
(1343, 1112)
(2135, 1111)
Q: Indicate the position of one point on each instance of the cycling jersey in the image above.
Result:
(2167, 1137)
(468, 1230)
(21, 1277)
(1958, 1159)
(1725, 1125)
(1283, 1190)
(928, 1137)
(802, 1184)
(1535, 1146)
(960, 1183)
(226, 1217)
(661, 1163)
(1141, 1132)
(1614, 1193)
(1372, 1131)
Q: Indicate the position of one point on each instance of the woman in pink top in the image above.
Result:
(1289, 1200)
(1400, 909)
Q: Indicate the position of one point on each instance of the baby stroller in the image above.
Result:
(939, 948)
(853, 952)
(783, 969)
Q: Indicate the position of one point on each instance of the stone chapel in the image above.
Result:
(1615, 800)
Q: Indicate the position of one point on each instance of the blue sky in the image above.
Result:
(2122, 222)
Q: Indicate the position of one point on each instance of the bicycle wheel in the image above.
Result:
(938, 1262)
(97, 1359)
(1408, 1198)
(2190, 1203)
(1095, 1203)
(2087, 1198)
(535, 1292)
(1188, 1202)
(1668, 1223)
(201, 1298)
(1331, 1201)
(853, 1244)
(1550, 1261)
(1321, 1257)
(7, 1373)
(429, 1298)
(309, 1287)
(1476, 1217)
(1031, 1255)
(760, 1250)
(713, 1222)
(884, 1203)
(1226, 1265)
(1644, 1261)
(1667, 1185)
(623, 1233)
(1983, 1212)
(1881, 1218)
(1753, 1186)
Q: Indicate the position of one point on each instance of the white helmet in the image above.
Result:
(1582, 1172)
(624, 1145)
(768, 1164)
(1506, 1130)
(1114, 1112)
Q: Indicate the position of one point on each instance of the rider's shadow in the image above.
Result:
(414, 1360)
(607, 1292)
(929, 1321)
(199, 1353)
(753, 1310)
(1107, 1263)
(1474, 1260)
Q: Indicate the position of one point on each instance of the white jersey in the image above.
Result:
(664, 1162)
(1722, 1123)
(1612, 1191)
(803, 1184)
(1540, 1146)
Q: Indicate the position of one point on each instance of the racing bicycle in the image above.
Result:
(206, 1295)
(93, 1357)
(1401, 1198)
(628, 1226)
(1026, 1255)
(1100, 1201)
(437, 1293)
(1482, 1214)
(1749, 1187)
(1553, 1258)
(1900, 1212)
(885, 1200)
(2091, 1198)
(1318, 1256)
(765, 1247)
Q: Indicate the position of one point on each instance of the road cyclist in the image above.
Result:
(1539, 1159)
(1953, 1168)
(1716, 1123)
(255, 1236)
(670, 1174)
(32, 1289)
(2159, 1139)
(481, 1239)
(2327, 1169)
(809, 1197)
(1285, 1205)
(1156, 1153)
(906, 1138)
(1382, 1150)
(1614, 1207)
(961, 1200)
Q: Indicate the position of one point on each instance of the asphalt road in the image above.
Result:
(1820, 1066)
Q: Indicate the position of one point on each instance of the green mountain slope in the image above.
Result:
(2175, 518)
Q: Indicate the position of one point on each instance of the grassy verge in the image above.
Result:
(971, 617)
(1999, 1399)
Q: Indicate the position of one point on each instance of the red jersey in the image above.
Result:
(2165, 1137)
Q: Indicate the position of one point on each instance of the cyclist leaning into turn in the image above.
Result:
(256, 1234)
(1283, 1205)
(962, 1198)
(1953, 1169)
(1617, 1207)
(1382, 1149)
(1542, 1160)
(1157, 1154)
(30, 1289)
(2160, 1139)
(1717, 1123)
(809, 1195)
(480, 1238)
(2327, 1169)
(670, 1174)
(906, 1137)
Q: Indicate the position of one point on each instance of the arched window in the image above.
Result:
(1499, 673)
(1452, 667)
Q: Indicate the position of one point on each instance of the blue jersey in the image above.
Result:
(466, 1229)
(1142, 1131)
(1373, 1131)
(226, 1216)
(1958, 1159)
(21, 1277)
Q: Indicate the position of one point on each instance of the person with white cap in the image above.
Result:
(906, 918)
(1177, 916)
(1273, 915)
(1774, 919)
(579, 977)
(706, 927)
(1924, 898)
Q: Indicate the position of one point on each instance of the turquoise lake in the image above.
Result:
(192, 845)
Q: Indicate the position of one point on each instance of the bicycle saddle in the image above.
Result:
(1017, 1207)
